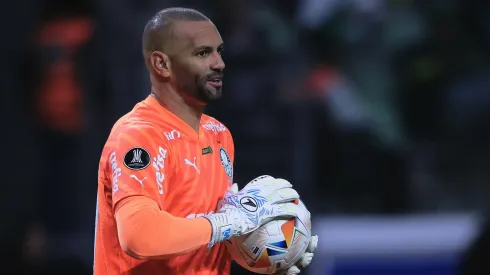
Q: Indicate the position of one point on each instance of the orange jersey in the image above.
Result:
(151, 152)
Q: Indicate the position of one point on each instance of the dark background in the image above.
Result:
(370, 107)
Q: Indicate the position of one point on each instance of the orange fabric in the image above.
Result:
(140, 224)
(181, 179)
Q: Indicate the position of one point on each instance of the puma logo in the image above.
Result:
(193, 164)
(136, 178)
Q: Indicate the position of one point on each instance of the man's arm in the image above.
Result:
(146, 232)
(139, 166)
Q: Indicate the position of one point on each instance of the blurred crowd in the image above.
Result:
(367, 106)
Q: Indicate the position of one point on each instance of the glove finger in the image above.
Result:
(293, 270)
(260, 179)
(285, 210)
(272, 186)
(285, 195)
(269, 183)
(305, 260)
(313, 244)
(280, 183)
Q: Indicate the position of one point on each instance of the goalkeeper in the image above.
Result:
(166, 165)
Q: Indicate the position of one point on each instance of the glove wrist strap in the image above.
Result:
(222, 228)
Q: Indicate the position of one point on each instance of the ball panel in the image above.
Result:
(274, 246)
(234, 248)
(272, 229)
(263, 260)
(287, 229)
(280, 244)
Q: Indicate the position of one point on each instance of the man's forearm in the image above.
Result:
(146, 232)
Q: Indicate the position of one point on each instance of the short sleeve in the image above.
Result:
(138, 164)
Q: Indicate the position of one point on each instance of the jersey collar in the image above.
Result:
(174, 120)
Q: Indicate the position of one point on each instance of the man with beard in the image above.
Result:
(166, 165)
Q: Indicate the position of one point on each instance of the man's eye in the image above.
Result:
(202, 54)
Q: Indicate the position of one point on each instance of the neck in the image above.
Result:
(175, 103)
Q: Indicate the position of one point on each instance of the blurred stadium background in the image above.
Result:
(377, 110)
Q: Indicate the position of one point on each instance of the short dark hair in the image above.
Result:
(158, 30)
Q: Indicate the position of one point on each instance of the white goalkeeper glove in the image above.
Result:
(304, 261)
(260, 201)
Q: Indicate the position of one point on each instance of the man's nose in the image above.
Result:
(218, 63)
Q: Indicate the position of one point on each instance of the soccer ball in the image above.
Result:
(276, 245)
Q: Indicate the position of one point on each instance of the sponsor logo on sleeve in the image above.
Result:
(159, 165)
(116, 172)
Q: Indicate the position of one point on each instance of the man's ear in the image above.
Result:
(159, 63)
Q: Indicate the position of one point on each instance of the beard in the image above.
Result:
(205, 92)
(198, 89)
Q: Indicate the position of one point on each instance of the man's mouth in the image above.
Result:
(216, 81)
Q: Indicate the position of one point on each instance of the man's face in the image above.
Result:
(196, 65)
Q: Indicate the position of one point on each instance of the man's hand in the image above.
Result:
(260, 201)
